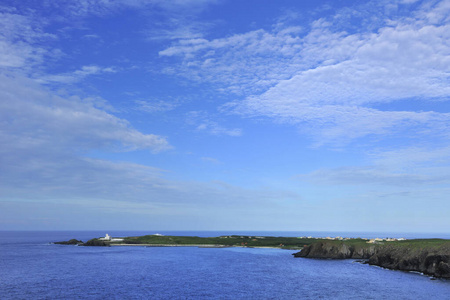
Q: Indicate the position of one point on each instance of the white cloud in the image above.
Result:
(438, 12)
(338, 123)
(243, 63)
(77, 75)
(33, 117)
(331, 78)
(178, 17)
(18, 35)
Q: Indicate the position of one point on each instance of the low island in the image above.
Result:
(427, 256)
(158, 240)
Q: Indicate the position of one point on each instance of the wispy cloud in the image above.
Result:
(105, 7)
(358, 176)
(177, 28)
(19, 38)
(155, 106)
(242, 63)
(34, 117)
(412, 167)
(203, 122)
(77, 75)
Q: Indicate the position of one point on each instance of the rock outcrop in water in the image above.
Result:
(434, 261)
(70, 242)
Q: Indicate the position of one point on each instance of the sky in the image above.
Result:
(225, 115)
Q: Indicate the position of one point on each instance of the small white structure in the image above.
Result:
(106, 238)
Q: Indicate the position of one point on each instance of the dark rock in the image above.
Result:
(419, 260)
(362, 261)
(70, 242)
(335, 251)
(95, 242)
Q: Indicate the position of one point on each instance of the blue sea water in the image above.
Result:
(33, 268)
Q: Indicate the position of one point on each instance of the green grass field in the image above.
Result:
(231, 240)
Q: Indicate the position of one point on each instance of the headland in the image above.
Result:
(427, 256)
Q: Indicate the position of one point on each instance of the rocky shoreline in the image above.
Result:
(93, 242)
(429, 260)
(70, 242)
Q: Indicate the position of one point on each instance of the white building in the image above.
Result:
(108, 238)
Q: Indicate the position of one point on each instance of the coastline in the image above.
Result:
(201, 246)
(270, 268)
(173, 245)
(430, 257)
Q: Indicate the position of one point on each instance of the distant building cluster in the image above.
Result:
(378, 240)
(242, 237)
(338, 238)
(370, 241)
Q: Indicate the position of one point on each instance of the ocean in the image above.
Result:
(31, 267)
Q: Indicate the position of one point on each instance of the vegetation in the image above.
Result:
(430, 244)
(229, 240)
(422, 244)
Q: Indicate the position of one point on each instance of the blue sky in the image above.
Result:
(225, 115)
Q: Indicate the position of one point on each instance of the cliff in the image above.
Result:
(432, 261)
(431, 257)
(336, 250)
